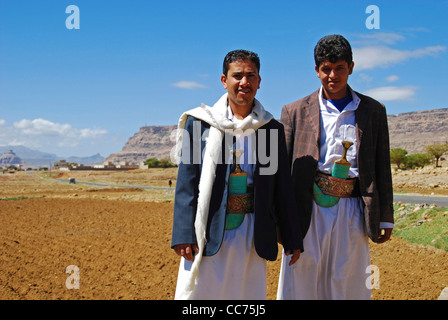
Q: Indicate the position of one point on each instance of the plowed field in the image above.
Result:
(119, 240)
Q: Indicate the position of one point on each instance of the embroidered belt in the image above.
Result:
(240, 203)
(336, 187)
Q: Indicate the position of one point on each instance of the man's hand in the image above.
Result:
(295, 256)
(385, 235)
(186, 250)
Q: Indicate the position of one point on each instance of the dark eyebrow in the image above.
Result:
(241, 72)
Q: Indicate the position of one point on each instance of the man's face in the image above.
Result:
(241, 82)
(334, 77)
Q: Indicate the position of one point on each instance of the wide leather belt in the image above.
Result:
(336, 187)
(241, 203)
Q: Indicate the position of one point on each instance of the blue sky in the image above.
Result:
(135, 63)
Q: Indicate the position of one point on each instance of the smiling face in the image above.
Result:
(334, 77)
(241, 82)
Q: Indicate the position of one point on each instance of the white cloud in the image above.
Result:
(2, 122)
(378, 38)
(92, 133)
(42, 127)
(7, 134)
(190, 85)
(41, 133)
(16, 142)
(382, 56)
(392, 78)
(363, 78)
(46, 128)
(392, 93)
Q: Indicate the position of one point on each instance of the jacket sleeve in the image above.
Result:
(285, 203)
(186, 196)
(383, 170)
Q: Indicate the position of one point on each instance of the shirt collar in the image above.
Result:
(229, 113)
(231, 116)
(352, 106)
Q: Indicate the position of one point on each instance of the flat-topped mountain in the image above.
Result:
(413, 131)
(148, 142)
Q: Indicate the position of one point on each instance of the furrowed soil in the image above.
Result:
(118, 237)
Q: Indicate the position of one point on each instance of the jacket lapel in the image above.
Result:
(361, 117)
(313, 110)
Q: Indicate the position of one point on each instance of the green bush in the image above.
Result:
(152, 162)
(416, 160)
(437, 151)
(156, 163)
(398, 156)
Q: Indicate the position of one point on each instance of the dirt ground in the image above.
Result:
(119, 240)
(427, 180)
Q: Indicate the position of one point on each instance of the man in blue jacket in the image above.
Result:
(221, 261)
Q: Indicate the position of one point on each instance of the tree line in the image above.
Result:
(402, 160)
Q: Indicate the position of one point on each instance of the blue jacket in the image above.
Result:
(275, 208)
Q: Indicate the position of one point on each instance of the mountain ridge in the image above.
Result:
(35, 158)
(409, 130)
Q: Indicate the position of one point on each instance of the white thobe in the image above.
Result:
(336, 247)
(236, 271)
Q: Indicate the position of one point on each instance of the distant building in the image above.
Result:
(61, 164)
(108, 165)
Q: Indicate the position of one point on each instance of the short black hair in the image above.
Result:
(333, 48)
(237, 55)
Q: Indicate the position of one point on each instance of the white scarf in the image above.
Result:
(216, 116)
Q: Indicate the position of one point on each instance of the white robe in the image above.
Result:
(235, 272)
(333, 265)
(336, 247)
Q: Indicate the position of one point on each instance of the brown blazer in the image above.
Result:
(302, 123)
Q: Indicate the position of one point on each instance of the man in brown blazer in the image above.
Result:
(335, 262)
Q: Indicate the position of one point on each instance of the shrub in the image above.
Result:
(436, 151)
(417, 160)
(156, 163)
(398, 156)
